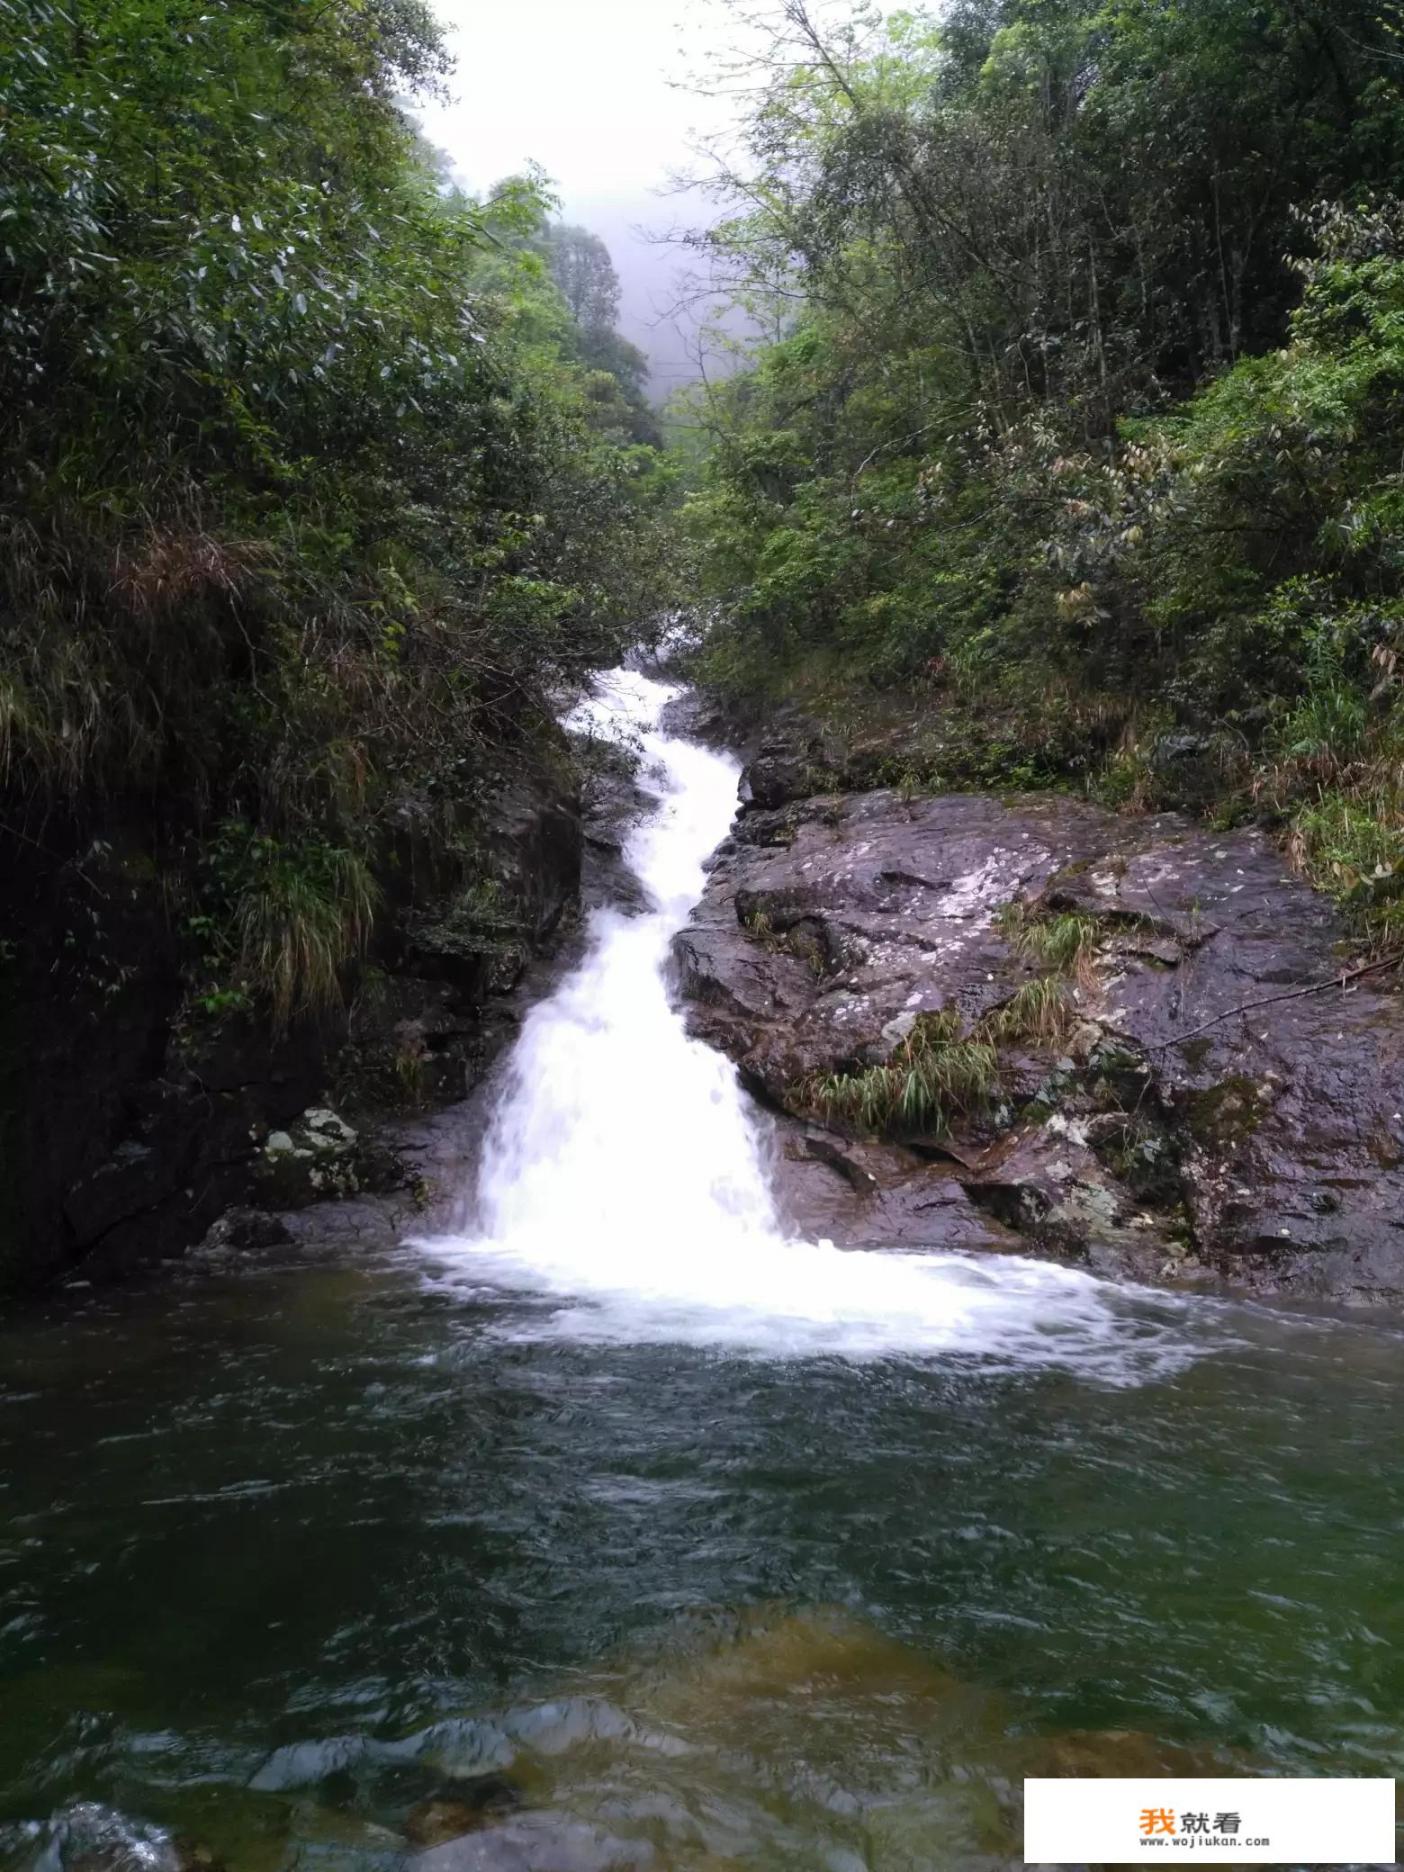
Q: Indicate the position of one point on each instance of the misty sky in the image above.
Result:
(582, 87)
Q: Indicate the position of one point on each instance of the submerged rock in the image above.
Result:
(537, 1842)
(460, 1807)
(1184, 1085)
(1098, 1754)
(766, 1662)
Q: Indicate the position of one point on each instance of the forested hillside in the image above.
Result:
(1079, 456)
(304, 493)
(313, 484)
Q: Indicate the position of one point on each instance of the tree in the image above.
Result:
(584, 273)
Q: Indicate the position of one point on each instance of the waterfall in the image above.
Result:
(623, 1177)
(616, 1129)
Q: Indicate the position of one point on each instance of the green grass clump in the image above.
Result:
(298, 930)
(941, 1072)
(1041, 1011)
(937, 1074)
(1063, 942)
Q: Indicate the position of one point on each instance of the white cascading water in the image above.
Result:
(623, 1177)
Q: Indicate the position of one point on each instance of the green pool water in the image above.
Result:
(292, 1542)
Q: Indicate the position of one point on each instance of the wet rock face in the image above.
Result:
(1177, 1116)
(613, 806)
(829, 926)
(716, 724)
(870, 1193)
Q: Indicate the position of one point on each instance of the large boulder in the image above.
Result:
(1219, 1093)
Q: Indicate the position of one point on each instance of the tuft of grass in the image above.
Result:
(1041, 1011)
(299, 915)
(410, 1058)
(937, 1074)
(1329, 729)
(119, 634)
(1064, 942)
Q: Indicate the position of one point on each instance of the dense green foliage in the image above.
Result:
(1083, 428)
(306, 488)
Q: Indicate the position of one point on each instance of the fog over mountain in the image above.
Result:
(599, 101)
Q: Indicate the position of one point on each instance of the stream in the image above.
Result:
(626, 1531)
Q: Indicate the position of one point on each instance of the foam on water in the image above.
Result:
(623, 1181)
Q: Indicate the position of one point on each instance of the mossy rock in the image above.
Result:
(1224, 1116)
